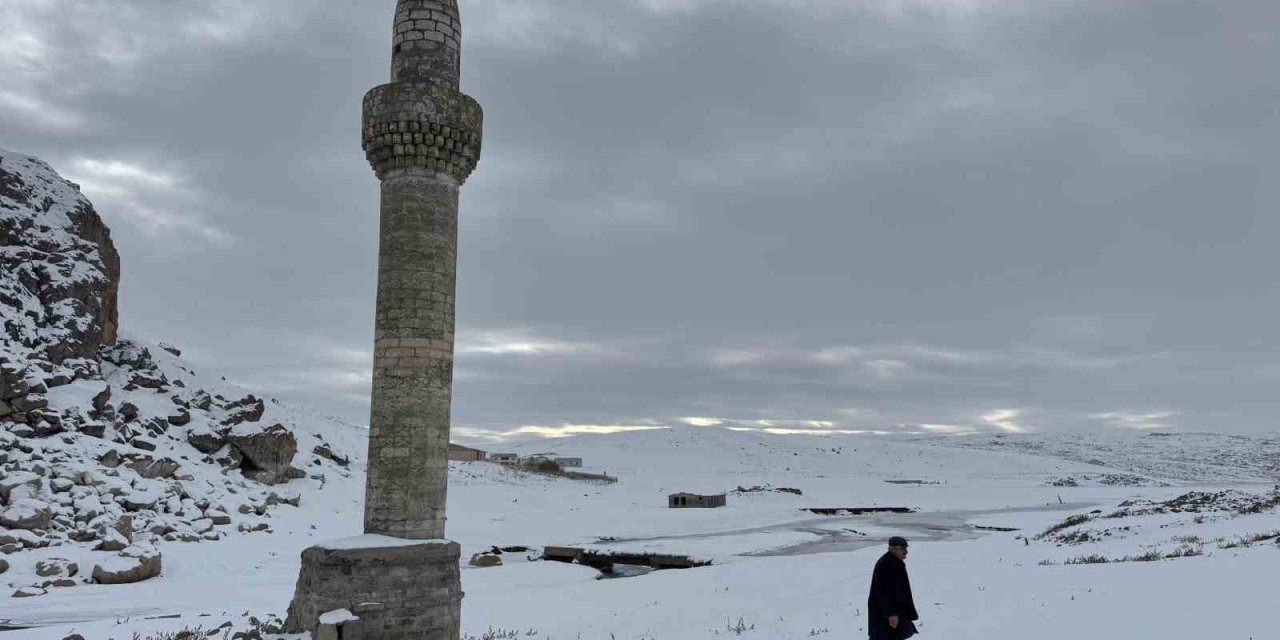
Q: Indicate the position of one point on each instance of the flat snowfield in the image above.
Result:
(1140, 560)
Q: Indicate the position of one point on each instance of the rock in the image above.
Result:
(142, 499)
(218, 517)
(4, 565)
(248, 409)
(22, 430)
(59, 254)
(56, 567)
(112, 541)
(110, 459)
(143, 443)
(124, 526)
(205, 441)
(43, 427)
(11, 547)
(61, 485)
(17, 479)
(58, 380)
(21, 538)
(93, 429)
(291, 498)
(151, 469)
(485, 560)
(149, 380)
(129, 567)
(26, 514)
(12, 383)
(180, 418)
(74, 636)
(29, 403)
(324, 451)
(5, 408)
(129, 354)
(267, 453)
(171, 349)
(63, 582)
(29, 592)
(102, 400)
(129, 411)
(203, 525)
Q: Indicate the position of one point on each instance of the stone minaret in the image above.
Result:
(422, 137)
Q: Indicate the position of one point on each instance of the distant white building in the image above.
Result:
(505, 458)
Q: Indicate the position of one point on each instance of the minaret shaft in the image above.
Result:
(422, 137)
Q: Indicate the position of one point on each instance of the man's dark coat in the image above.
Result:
(890, 596)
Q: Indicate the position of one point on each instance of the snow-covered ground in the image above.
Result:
(778, 570)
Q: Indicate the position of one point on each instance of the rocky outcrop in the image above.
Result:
(58, 265)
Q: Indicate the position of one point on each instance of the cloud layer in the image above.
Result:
(886, 215)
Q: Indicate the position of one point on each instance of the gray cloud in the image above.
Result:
(926, 215)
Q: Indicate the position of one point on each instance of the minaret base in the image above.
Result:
(399, 589)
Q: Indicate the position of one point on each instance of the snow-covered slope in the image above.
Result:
(1164, 456)
(110, 447)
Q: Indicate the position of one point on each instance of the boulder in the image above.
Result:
(5, 408)
(177, 353)
(12, 383)
(112, 540)
(143, 443)
(266, 453)
(205, 441)
(110, 459)
(128, 411)
(29, 403)
(56, 567)
(18, 479)
(150, 380)
(93, 429)
(26, 514)
(142, 499)
(29, 592)
(180, 418)
(485, 560)
(151, 469)
(135, 564)
(102, 400)
(248, 409)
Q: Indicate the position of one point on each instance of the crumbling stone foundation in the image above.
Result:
(407, 591)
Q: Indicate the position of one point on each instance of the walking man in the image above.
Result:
(890, 609)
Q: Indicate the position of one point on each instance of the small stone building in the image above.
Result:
(695, 501)
(465, 454)
(569, 462)
(505, 458)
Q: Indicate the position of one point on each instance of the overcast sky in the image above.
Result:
(885, 215)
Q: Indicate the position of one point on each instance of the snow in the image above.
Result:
(337, 616)
(783, 572)
(374, 541)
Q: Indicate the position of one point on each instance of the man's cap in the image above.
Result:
(897, 541)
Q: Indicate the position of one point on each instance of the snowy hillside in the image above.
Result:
(111, 447)
(1176, 457)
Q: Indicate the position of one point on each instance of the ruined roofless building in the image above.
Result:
(422, 137)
